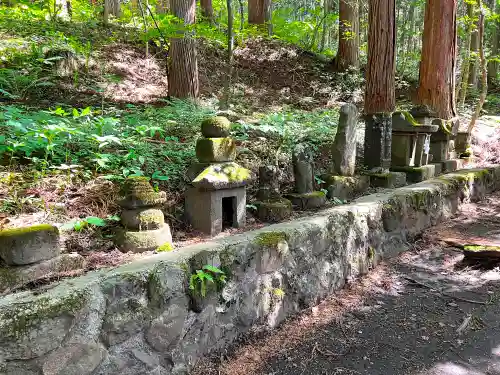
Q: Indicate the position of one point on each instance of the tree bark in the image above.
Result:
(348, 52)
(473, 67)
(380, 72)
(495, 46)
(207, 9)
(230, 47)
(464, 81)
(258, 11)
(437, 67)
(484, 74)
(183, 79)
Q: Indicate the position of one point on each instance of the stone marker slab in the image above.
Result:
(417, 174)
(344, 145)
(389, 180)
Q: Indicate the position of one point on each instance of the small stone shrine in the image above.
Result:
(304, 196)
(271, 207)
(442, 143)
(341, 183)
(144, 222)
(216, 198)
(411, 147)
(33, 253)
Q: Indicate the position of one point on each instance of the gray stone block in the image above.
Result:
(74, 359)
(204, 209)
(388, 180)
(438, 168)
(27, 245)
(452, 165)
(345, 188)
(143, 219)
(215, 150)
(417, 174)
(307, 201)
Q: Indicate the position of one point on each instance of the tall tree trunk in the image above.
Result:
(495, 46)
(207, 9)
(380, 71)
(409, 33)
(162, 6)
(473, 68)
(183, 80)
(437, 67)
(484, 74)
(111, 7)
(348, 52)
(258, 11)
(464, 81)
(380, 98)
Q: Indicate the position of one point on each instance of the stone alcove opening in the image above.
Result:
(229, 219)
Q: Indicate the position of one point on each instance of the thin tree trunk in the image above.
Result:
(484, 74)
(464, 80)
(408, 39)
(162, 6)
(473, 68)
(380, 72)
(495, 47)
(242, 15)
(437, 67)
(183, 80)
(207, 10)
(348, 51)
(230, 46)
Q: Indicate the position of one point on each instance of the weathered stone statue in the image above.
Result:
(271, 207)
(304, 196)
(217, 196)
(144, 222)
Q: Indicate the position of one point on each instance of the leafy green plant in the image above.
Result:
(208, 274)
(81, 224)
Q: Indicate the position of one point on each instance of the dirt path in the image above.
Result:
(425, 313)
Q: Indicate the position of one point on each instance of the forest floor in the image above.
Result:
(426, 312)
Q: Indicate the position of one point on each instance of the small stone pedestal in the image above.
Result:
(144, 222)
(33, 253)
(217, 196)
(271, 207)
(304, 196)
(411, 146)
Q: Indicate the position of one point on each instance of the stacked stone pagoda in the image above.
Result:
(144, 222)
(216, 198)
(271, 206)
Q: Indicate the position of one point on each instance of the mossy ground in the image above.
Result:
(270, 239)
(25, 230)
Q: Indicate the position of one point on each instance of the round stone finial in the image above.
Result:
(215, 127)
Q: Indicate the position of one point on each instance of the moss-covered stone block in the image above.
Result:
(166, 247)
(417, 174)
(273, 211)
(27, 245)
(222, 176)
(215, 150)
(143, 219)
(137, 192)
(215, 127)
(307, 201)
(389, 180)
(141, 241)
(482, 252)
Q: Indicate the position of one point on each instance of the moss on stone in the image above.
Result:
(167, 246)
(230, 172)
(215, 149)
(23, 230)
(478, 248)
(8, 277)
(312, 194)
(270, 239)
(216, 126)
(15, 321)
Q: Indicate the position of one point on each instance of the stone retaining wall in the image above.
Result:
(141, 319)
